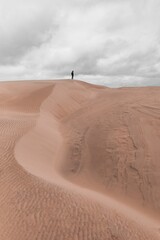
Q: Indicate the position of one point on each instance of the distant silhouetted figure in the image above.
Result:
(72, 74)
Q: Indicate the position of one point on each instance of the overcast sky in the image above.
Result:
(111, 42)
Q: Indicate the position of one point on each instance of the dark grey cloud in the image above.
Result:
(114, 42)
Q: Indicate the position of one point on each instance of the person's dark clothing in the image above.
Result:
(72, 74)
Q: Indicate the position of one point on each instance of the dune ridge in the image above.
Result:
(70, 154)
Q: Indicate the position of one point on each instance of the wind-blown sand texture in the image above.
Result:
(79, 161)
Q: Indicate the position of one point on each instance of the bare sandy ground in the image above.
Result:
(79, 162)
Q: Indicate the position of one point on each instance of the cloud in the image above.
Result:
(22, 28)
(115, 42)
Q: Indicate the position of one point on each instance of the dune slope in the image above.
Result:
(79, 161)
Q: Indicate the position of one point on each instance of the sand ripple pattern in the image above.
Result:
(78, 162)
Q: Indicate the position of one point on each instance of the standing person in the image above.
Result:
(72, 74)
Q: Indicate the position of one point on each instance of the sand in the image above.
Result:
(79, 161)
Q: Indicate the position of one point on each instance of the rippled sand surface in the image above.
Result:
(79, 161)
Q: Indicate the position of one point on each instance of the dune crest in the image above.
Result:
(79, 161)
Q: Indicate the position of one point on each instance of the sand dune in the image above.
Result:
(79, 161)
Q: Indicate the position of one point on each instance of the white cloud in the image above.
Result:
(115, 42)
